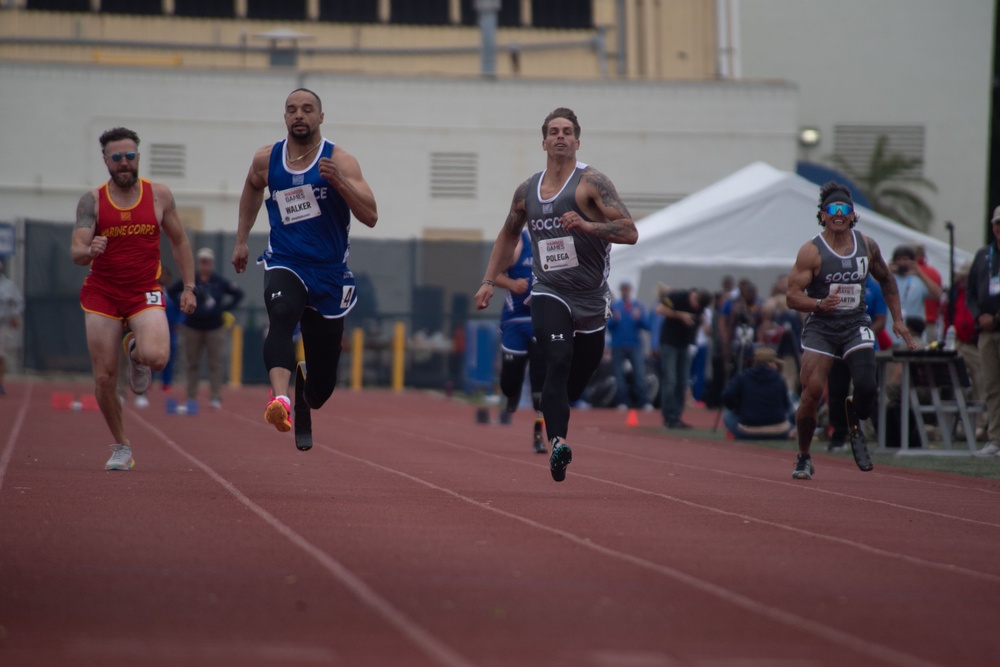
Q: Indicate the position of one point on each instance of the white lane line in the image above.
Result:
(432, 647)
(15, 432)
(795, 485)
(913, 560)
(787, 618)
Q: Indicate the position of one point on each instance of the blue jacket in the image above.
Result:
(759, 396)
(626, 323)
(215, 296)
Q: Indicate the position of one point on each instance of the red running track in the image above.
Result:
(412, 536)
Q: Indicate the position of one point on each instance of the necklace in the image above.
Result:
(288, 156)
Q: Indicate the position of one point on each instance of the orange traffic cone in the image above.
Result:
(632, 419)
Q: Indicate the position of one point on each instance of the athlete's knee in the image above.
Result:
(558, 358)
(317, 393)
(863, 373)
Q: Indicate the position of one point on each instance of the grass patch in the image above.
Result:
(972, 466)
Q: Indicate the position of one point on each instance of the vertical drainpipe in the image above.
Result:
(621, 36)
(488, 10)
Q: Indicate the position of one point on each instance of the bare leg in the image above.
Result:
(815, 370)
(280, 380)
(152, 338)
(104, 340)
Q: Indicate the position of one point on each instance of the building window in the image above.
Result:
(349, 11)
(510, 13)
(289, 10)
(562, 14)
(454, 175)
(60, 5)
(168, 160)
(856, 143)
(222, 9)
(146, 7)
(427, 12)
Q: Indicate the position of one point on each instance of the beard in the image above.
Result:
(302, 133)
(125, 179)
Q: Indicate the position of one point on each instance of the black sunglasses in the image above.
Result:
(117, 157)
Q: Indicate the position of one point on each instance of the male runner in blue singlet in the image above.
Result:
(574, 214)
(313, 188)
(517, 337)
(828, 282)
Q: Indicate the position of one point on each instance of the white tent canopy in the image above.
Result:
(750, 224)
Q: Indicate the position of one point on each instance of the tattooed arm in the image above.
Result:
(503, 249)
(616, 225)
(880, 272)
(85, 245)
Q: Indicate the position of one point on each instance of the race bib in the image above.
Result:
(850, 296)
(298, 204)
(994, 285)
(558, 254)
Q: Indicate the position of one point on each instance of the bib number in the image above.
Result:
(558, 253)
(348, 294)
(867, 335)
(154, 298)
(298, 204)
(850, 296)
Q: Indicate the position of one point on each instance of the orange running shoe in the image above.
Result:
(276, 413)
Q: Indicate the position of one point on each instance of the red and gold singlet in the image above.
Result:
(123, 279)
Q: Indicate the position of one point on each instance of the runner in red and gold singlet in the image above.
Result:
(123, 279)
(118, 235)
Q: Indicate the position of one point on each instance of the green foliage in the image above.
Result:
(889, 182)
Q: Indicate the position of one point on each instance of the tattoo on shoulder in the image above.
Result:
(515, 219)
(606, 191)
(85, 216)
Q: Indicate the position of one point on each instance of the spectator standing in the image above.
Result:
(915, 288)
(11, 309)
(682, 312)
(757, 406)
(628, 319)
(204, 331)
(967, 341)
(932, 307)
(982, 297)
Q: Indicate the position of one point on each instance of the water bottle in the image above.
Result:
(949, 338)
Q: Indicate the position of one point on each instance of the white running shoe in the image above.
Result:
(216, 404)
(989, 449)
(139, 375)
(121, 458)
(141, 402)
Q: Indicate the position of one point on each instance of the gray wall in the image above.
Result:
(895, 62)
(656, 141)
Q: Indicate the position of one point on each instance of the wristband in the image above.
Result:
(189, 288)
(818, 302)
(489, 282)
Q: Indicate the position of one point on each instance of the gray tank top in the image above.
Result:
(567, 261)
(847, 272)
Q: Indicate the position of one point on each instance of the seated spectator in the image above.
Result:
(756, 401)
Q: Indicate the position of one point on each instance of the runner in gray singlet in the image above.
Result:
(574, 214)
(827, 282)
(846, 327)
(569, 266)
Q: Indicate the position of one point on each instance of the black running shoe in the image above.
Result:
(803, 467)
(859, 446)
(512, 403)
(538, 442)
(302, 415)
(561, 457)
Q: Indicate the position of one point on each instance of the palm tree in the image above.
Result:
(888, 183)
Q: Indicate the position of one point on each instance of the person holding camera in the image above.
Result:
(682, 311)
(916, 286)
(982, 296)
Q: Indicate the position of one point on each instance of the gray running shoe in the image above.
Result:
(139, 375)
(121, 458)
